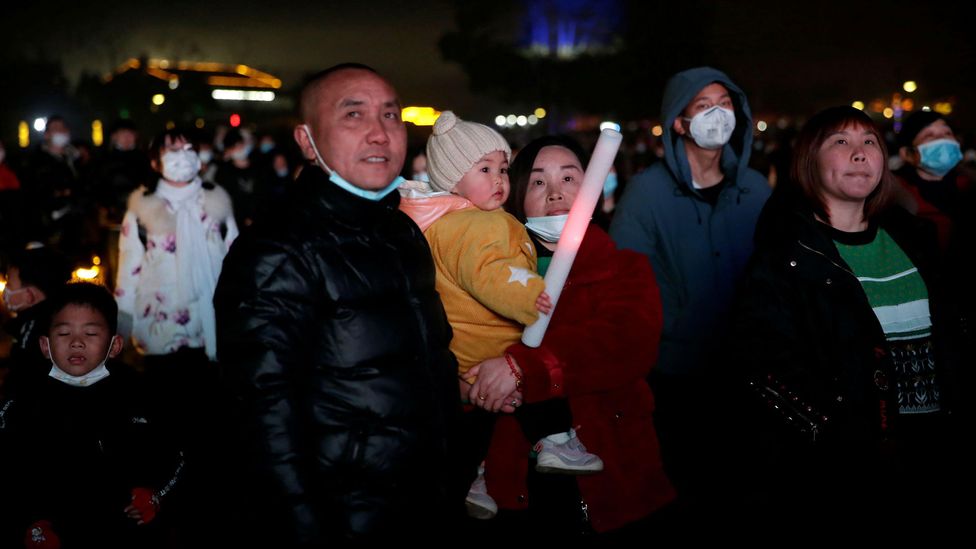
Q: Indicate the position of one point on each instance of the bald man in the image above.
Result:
(334, 339)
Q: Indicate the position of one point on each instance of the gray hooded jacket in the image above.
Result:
(698, 251)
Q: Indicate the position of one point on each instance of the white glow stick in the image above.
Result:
(572, 235)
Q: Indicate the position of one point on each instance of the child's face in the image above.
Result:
(486, 183)
(79, 340)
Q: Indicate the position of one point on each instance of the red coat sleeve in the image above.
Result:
(605, 331)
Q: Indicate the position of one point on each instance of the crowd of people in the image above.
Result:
(329, 353)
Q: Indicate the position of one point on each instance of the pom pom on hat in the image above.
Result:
(455, 146)
(445, 122)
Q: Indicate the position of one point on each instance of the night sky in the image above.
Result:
(282, 37)
(790, 57)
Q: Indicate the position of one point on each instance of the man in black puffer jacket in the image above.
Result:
(335, 342)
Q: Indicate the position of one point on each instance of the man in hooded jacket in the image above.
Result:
(693, 216)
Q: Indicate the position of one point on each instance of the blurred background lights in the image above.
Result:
(23, 134)
(420, 116)
(96, 133)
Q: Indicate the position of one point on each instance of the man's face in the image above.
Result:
(709, 96)
(357, 128)
(124, 139)
(57, 128)
(936, 130)
(419, 163)
(16, 297)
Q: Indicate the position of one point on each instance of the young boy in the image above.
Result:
(485, 265)
(82, 459)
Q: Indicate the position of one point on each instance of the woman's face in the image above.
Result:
(554, 182)
(851, 164)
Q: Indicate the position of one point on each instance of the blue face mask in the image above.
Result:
(334, 177)
(266, 147)
(610, 185)
(938, 157)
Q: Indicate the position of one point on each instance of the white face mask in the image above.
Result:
(712, 128)
(548, 228)
(97, 374)
(180, 166)
(8, 294)
(60, 139)
(205, 156)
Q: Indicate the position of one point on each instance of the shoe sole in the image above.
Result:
(549, 469)
(478, 512)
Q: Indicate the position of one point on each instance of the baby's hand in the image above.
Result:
(543, 303)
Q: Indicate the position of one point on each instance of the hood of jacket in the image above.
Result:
(679, 91)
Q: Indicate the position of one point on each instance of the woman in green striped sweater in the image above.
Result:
(838, 331)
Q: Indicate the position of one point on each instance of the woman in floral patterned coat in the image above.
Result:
(175, 235)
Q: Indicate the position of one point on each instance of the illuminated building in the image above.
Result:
(157, 93)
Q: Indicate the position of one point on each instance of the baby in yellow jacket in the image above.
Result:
(486, 273)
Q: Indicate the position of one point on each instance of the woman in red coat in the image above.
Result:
(599, 347)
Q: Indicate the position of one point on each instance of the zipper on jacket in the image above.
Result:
(882, 403)
(832, 262)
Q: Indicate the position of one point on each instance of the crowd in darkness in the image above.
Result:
(323, 329)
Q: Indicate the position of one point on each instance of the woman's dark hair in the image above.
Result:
(805, 170)
(520, 170)
(159, 142)
(90, 295)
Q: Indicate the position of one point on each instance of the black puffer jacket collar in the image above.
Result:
(337, 203)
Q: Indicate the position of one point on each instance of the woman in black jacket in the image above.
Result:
(835, 331)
